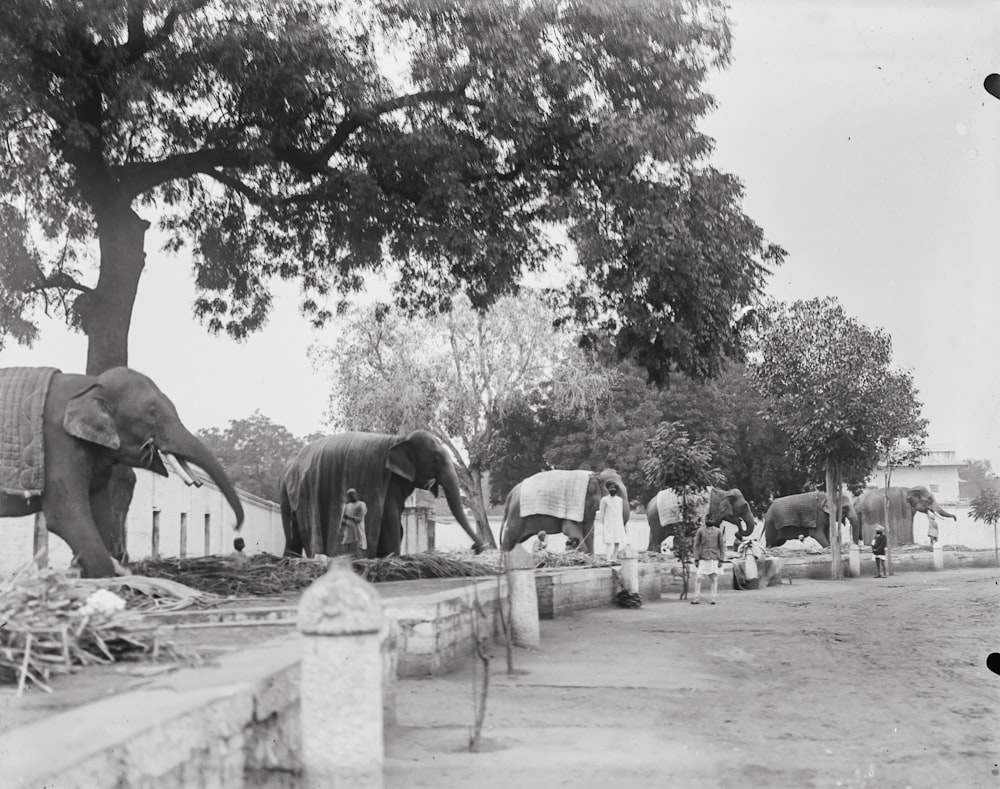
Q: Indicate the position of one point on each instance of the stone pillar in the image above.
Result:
(854, 560)
(938, 556)
(523, 597)
(630, 568)
(340, 617)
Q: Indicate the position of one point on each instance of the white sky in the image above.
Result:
(869, 150)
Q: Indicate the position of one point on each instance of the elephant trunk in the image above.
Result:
(938, 509)
(179, 442)
(448, 480)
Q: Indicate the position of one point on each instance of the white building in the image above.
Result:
(937, 471)
(166, 518)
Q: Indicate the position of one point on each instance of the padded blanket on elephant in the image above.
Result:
(22, 449)
(317, 479)
(559, 493)
(668, 505)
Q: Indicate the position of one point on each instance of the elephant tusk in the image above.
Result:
(184, 471)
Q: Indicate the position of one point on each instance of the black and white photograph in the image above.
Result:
(410, 394)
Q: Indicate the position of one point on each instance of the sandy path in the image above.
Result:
(862, 683)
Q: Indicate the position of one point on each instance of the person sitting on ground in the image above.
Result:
(540, 545)
(237, 555)
(810, 544)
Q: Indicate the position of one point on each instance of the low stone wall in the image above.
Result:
(210, 726)
(567, 589)
(435, 632)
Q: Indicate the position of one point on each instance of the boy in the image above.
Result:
(708, 552)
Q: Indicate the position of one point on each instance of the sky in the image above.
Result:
(869, 151)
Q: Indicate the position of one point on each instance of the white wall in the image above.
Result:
(171, 498)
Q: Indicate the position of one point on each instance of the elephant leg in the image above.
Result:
(390, 538)
(100, 510)
(819, 534)
(70, 518)
(657, 532)
(290, 525)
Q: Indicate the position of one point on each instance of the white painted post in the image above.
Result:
(524, 627)
(343, 743)
(41, 541)
(630, 569)
(938, 556)
(854, 560)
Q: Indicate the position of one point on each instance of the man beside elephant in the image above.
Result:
(709, 551)
(612, 522)
(352, 525)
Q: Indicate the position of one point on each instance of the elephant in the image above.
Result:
(804, 513)
(583, 493)
(383, 469)
(903, 504)
(71, 430)
(719, 506)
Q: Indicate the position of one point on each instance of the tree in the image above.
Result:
(458, 374)
(986, 508)
(829, 385)
(672, 460)
(323, 141)
(975, 477)
(253, 452)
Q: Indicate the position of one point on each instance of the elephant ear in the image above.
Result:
(400, 461)
(88, 417)
(825, 504)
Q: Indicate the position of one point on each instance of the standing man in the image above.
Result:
(932, 528)
(878, 551)
(613, 522)
(352, 525)
(709, 551)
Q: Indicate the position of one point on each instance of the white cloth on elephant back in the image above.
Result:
(559, 493)
(22, 449)
(668, 505)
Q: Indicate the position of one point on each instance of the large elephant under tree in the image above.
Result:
(805, 513)
(664, 513)
(61, 436)
(904, 503)
(383, 469)
(559, 501)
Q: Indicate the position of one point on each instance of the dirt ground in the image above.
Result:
(858, 683)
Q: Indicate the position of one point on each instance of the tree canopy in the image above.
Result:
(323, 141)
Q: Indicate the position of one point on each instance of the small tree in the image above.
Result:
(986, 508)
(828, 383)
(673, 461)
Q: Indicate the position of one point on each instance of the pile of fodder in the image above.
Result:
(52, 622)
(426, 565)
(266, 575)
(570, 559)
(255, 575)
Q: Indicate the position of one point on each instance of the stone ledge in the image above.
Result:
(195, 727)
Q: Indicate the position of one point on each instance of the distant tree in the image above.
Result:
(829, 385)
(976, 476)
(459, 374)
(253, 452)
(986, 508)
(672, 460)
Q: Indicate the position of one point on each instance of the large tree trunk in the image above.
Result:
(478, 502)
(105, 315)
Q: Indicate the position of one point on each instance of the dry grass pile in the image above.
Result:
(257, 575)
(424, 565)
(571, 559)
(53, 623)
